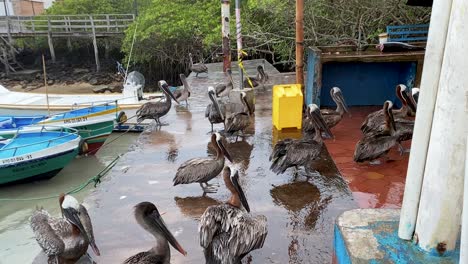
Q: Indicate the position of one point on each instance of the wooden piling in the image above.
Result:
(96, 53)
(300, 42)
(226, 34)
(49, 40)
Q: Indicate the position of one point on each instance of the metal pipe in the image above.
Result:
(239, 42)
(439, 214)
(464, 231)
(300, 42)
(429, 88)
(226, 34)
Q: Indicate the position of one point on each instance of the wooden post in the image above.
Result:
(440, 208)
(300, 42)
(108, 23)
(107, 48)
(96, 53)
(68, 29)
(226, 34)
(5, 61)
(434, 57)
(49, 40)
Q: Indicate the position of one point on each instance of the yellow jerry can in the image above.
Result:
(287, 106)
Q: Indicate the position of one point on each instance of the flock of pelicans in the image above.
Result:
(227, 232)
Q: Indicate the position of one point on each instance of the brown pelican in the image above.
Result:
(148, 217)
(261, 78)
(300, 152)
(331, 117)
(216, 111)
(228, 233)
(202, 170)
(67, 238)
(239, 121)
(414, 99)
(377, 144)
(198, 67)
(184, 93)
(155, 110)
(223, 89)
(375, 119)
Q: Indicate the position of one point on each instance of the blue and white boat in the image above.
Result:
(30, 156)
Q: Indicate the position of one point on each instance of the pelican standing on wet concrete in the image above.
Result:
(198, 67)
(202, 170)
(148, 217)
(216, 111)
(377, 144)
(64, 239)
(184, 93)
(155, 110)
(300, 152)
(228, 232)
(223, 89)
(331, 117)
(238, 122)
(375, 119)
(261, 78)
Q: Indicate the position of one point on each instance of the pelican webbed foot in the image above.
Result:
(208, 188)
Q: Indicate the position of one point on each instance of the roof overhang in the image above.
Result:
(419, 2)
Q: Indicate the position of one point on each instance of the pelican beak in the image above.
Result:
(341, 99)
(165, 87)
(408, 101)
(235, 182)
(73, 216)
(318, 119)
(224, 150)
(215, 103)
(159, 223)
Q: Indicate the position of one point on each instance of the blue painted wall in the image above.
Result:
(365, 83)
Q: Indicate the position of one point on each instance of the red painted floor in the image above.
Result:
(373, 186)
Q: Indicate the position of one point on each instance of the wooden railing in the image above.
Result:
(65, 25)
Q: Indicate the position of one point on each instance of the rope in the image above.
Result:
(241, 66)
(95, 179)
(131, 51)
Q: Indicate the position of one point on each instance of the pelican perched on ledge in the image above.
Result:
(375, 119)
(155, 110)
(300, 152)
(239, 121)
(227, 232)
(148, 217)
(216, 111)
(66, 238)
(184, 93)
(331, 117)
(261, 78)
(377, 144)
(202, 170)
(198, 67)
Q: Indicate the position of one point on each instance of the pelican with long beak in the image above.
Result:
(64, 238)
(375, 119)
(216, 111)
(148, 217)
(238, 122)
(155, 110)
(228, 232)
(202, 170)
(376, 145)
(260, 78)
(331, 117)
(300, 152)
(184, 93)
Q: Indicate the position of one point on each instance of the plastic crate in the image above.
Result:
(287, 106)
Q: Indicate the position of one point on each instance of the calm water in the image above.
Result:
(17, 244)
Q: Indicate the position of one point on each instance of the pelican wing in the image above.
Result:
(294, 153)
(325, 112)
(220, 88)
(228, 233)
(370, 148)
(195, 170)
(177, 93)
(45, 234)
(237, 121)
(372, 120)
(144, 257)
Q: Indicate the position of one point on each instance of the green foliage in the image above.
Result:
(75, 7)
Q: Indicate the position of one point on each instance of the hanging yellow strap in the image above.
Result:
(241, 66)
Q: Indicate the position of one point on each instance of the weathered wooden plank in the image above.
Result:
(96, 53)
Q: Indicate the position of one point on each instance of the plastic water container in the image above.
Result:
(287, 106)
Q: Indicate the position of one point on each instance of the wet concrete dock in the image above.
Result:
(300, 212)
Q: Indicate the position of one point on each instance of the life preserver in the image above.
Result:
(122, 118)
(83, 147)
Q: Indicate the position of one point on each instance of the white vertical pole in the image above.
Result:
(439, 215)
(464, 232)
(239, 41)
(225, 20)
(422, 129)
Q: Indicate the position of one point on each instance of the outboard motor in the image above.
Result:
(134, 85)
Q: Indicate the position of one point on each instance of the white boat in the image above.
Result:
(131, 98)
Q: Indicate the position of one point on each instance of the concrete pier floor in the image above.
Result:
(300, 212)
